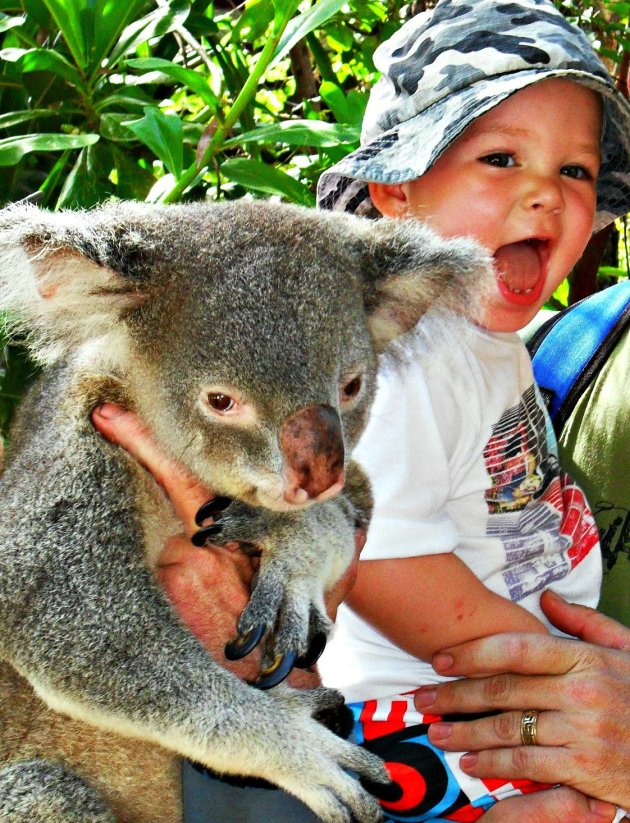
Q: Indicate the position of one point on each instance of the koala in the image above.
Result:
(245, 335)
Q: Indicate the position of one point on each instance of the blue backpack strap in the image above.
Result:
(569, 350)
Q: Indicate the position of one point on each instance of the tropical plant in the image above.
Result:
(186, 99)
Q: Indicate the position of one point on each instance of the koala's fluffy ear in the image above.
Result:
(408, 269)
(62, 276)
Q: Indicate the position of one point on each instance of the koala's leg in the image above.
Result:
(36, 791)
(83, 620)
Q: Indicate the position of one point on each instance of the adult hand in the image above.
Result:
(209, 587)
(581, 689)
(551, 806)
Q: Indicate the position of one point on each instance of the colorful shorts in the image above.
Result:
(428, 783)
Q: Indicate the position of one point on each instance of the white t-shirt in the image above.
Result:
(463, 459)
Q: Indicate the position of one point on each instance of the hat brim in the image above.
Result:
(409, 149)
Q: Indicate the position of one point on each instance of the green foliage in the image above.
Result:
(188, 99)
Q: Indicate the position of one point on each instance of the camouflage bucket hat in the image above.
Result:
(447, 67)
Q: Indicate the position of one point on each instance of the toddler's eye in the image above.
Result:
(499, 159)
(221, 403)
(576, 172)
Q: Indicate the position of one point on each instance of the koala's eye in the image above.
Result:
(352, 388)
(221, 403)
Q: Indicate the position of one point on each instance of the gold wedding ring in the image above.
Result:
(529, 727)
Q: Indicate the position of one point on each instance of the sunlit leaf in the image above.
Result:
(300, 133)
(15, 117)
(13, 149)
(305, 23)
(155, 24)
(164, 135)
(111, 17)
(253, 22)
(67, 16)
(191, 79)
(7, 22)
(253, 174)
(43, 60)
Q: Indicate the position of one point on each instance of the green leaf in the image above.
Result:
(134, 99)
(300, 133)
(253, 174)
(191, 79)
(67, 15)
(155, 24)
(348, 108)
(164, 135)
(88, 183)
(305, 23)
(43, 60)
(283, 9)
(253, 22)
(112, 127)
(134, 182)
(111, 17)
(12, 149)
(7, 22)
(23, 116)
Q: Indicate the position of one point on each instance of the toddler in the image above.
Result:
(494, 120)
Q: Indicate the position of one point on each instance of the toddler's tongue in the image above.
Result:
(519, 265)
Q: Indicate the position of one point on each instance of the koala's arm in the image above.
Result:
(303, 555)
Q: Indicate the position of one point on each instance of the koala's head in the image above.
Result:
(245, 334)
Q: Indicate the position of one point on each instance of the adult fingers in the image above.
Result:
(499, 691)
(551, 765)
(519, 653)
(551, 806)
(499, 731)
(124, 428)
(587, 624)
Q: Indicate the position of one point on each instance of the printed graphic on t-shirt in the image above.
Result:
(537, 511)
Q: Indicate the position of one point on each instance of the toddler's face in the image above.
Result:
(520, 180)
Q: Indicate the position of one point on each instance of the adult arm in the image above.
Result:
(423, 604)
(582, 690)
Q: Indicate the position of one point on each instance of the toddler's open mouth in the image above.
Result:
(521, 269)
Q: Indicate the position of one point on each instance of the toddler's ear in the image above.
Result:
(389, 198)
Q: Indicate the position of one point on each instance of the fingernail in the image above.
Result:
(440, 731)
(467, 761)
(109, 411)
(442, 661)
(424, 697)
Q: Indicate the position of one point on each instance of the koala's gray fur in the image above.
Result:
(102, 687)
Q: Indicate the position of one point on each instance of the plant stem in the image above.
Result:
(247, 92)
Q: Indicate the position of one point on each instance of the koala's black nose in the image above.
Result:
(312, 446)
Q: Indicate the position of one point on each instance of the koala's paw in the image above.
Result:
(291, 611)
(314, 762)
(232, 522)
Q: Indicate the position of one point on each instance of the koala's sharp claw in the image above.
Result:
(277, 672)
(201, 537)
(242, 645)
(209, 509)
(389, 792)
(313, 653)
